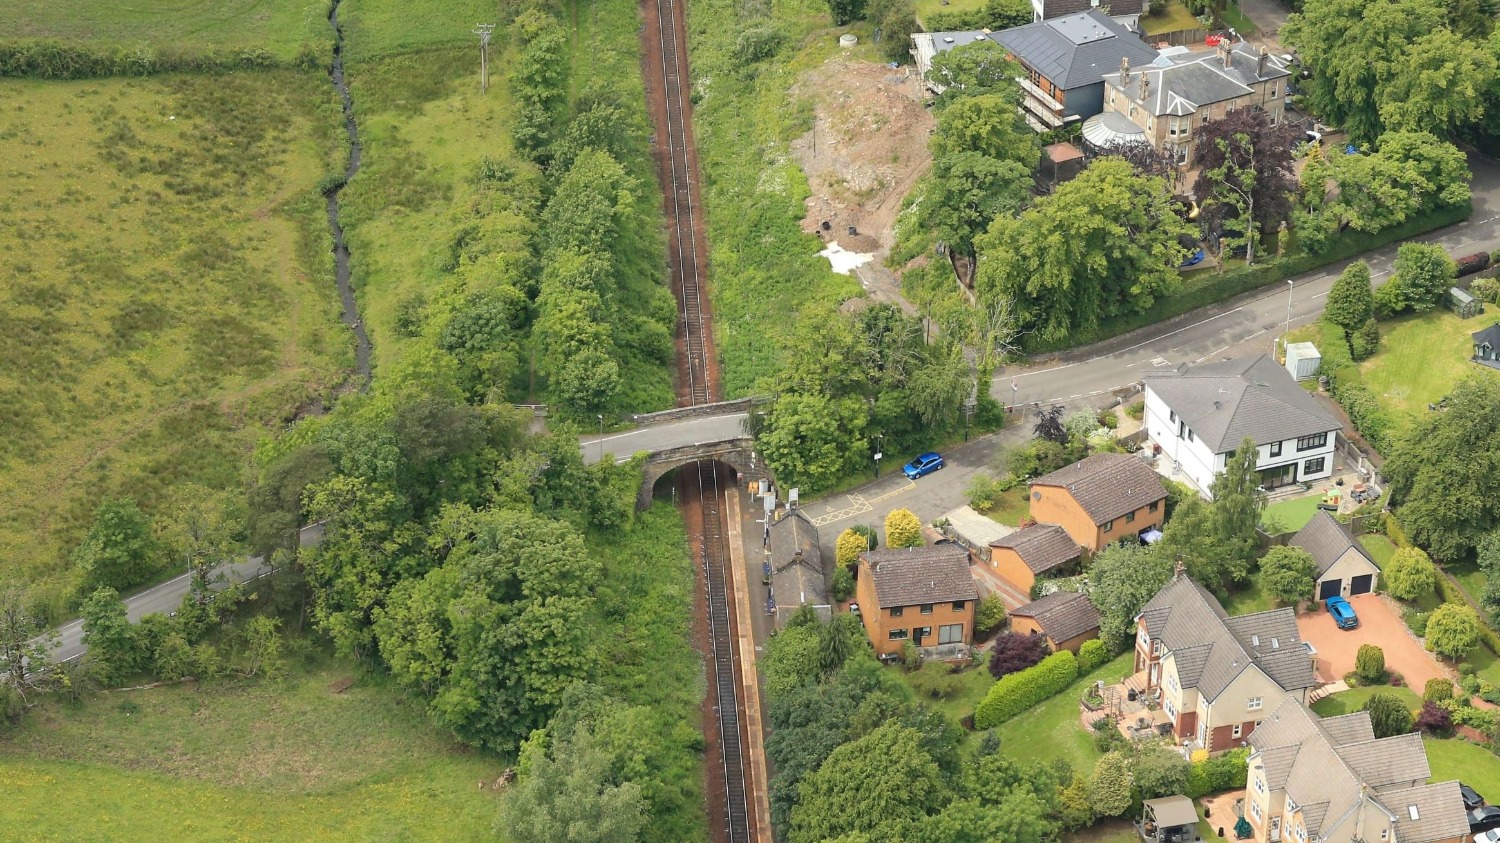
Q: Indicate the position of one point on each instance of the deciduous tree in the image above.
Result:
(1111, 786)
(903, 529)
(848, 547)
(26, 646)
(1121, 579)
(120, 550)
(981, 68)
(1350, 303)
(1410, 574)
(114, 650)
(897, 780)
(1452, 630)
(1246, 172)
(1286, 573)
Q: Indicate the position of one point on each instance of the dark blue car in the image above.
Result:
(923, 465)
(1342, 612)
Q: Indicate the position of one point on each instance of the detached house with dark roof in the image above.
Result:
(924, 595)
(1197, 416)
(1313, 780)
(1065, 618)
(1031, 552)
(1218, 676)
(1166, 101)
(1342, 567)
(1100, 499)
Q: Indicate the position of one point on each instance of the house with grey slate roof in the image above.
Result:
(793, 568)
(1164, 102)
(1065, 59)
(1341, 566)
(1197, 416)
(1313, 779)
(1217, 676)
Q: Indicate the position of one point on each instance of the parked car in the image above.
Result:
(1484, 819)
(1472, 799)
(1343, 615)
(923, 465)
(1192, 260)
(1491, 836)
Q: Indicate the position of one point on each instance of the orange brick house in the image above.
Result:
(1022, 556)
(924, 595)
(1100, 499)
(1066, 618)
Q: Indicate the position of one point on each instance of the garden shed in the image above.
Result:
(1303, 360)
(1462, 303)
(1170, 819)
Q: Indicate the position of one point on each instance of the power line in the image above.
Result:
(483, 30)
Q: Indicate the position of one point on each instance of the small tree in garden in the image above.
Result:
(1434, 719)
(1049, 425)
(1410, 575)
(990, 614)
(1369, 664)
(1014, 652)
(1437, 690)
(848, 547)
(1452, 631)
(1111, 788)
(903, 529)
(843, 584)
(1092, 654)
(1286, 573)
(1388, 716)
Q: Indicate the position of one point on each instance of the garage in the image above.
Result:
(1329, 588)
(1362, 584)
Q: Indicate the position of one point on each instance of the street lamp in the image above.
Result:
(1290, 285)
(879, 452)
(601, 437)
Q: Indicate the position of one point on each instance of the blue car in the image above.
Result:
(923, 465)
(1192, 260)
(1342, 612)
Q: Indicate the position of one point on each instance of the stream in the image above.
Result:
(340, 247)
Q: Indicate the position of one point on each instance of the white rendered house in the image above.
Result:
(1197, 416)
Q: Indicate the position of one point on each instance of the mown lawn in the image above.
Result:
(168, 294)
(1420, 359)
(281, 761)
(1354, 699)
(1289, 516)
(1053, 729)
(382, 27)
(927, 7)
(1248, 600)
(280, 27)
(1012, 506)
(1475, 766)
(1172, 17)
(1379, 547)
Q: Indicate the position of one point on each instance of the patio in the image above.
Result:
(1136, 711)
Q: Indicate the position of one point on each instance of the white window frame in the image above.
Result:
(1238, 731)
(1254, 704)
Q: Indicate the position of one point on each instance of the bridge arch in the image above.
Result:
(737, 453)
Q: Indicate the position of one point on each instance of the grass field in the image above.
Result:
(927, 7)
(281, 27)
(1354, 699)
(381, 27)
(290, 761)
(1420, 360)
(1251, 598)
(1012, 506)
(169, 296)
(1053, 729)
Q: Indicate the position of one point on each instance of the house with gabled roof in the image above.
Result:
(1315, 779)
(1065, 618)
(1215, 675)
(1342, 568)
(793, 568)
(924, 595)
(1198, 415)
(1100, 499)
(1031, 552)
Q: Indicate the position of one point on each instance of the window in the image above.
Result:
(1129, 517)
(1190, 436)
(898, 635)
(1260, 784)
(1385, 834)
(898, 611)
(960, 605)
(1275, 449)
(1155, 505)
(1036, 496)
(1108, 525)
(951, 633)
(926, 608)
(1171, 709)
(1237, 731)
(1254, 703)
(1143, 637)
(1172, 682)
(1307, 443)
(1300, 832)
(1314, 466)
(1273, 92)
(1254, 807)
(1172, 415)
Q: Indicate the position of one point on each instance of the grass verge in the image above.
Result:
(1379, 547)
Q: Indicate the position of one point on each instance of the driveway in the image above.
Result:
(1380, 625)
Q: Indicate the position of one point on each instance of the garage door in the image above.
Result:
(1329, 588)
(1362, 584)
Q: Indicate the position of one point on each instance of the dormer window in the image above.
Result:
(1275, 644)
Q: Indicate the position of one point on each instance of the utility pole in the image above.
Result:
(483, 30)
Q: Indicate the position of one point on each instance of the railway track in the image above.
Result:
(697, 383)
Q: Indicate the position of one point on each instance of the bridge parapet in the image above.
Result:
(737, 453)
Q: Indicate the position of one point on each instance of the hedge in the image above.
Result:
(1020, 691)
(1092, 654)
(1243, 279)
(49, 59)
(1216, 775)
(1348, 388)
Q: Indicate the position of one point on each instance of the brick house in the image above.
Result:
(924, 595)
(1065, 618)
(1218, 676)
(1325, 779)
(1163, 103)
(1020, 557)
(1100, 499)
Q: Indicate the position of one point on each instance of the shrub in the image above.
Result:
(1109, 419)
(1410, 575)
(1137, 410)
(935, 680)
(1416, 621)
(1216, 775)
(1107, 737)
(843, 584)
(1437, 690)
(1470, 264)
(1465, 669)
(848, 546)
(1486, 290)
(1469, 683)
(1434, 719)
(1020, 691)
(903, 529)
(1111, 786)
(1453, 630)
(1364, 342)
(1388, 716)
(911, 657)
(1092, 654)
(983, 491)
(990, 614)
(1369, 664)
(1014, 652)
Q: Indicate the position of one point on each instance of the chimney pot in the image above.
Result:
(1260, 63)
(1145, 87)
(1225, 53)
(1124, 71)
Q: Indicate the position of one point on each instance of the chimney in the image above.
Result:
(1225, 53)
(1145, 87)
(1260, 63)
(1124, 71)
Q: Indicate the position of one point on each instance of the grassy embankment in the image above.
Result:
(280, 27)
(169, 297)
